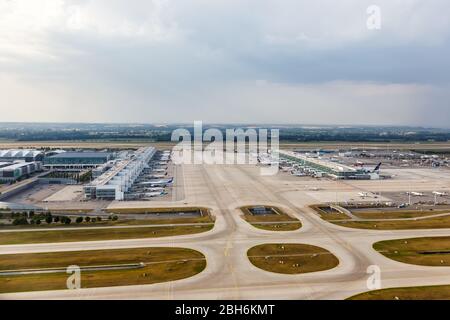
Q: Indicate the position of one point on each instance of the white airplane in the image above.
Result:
(363, 194)
(155, 189)
(298, 174)
(440, 194)
(156, 176)
(149, 189)
(416, 194)
(152, 194)
(376, 170)
(157, 183)
(267, 162)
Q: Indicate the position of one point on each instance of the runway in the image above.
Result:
(229, 274)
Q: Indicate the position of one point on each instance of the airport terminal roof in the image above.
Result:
(19, 153)
(4, 164)
(82, 154)
(13, 166)
(17, 206)
(338, 167)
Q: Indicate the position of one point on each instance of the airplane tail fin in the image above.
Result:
(377, 168)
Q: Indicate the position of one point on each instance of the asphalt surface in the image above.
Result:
(229, 274)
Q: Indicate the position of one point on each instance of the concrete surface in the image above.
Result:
(229, 274)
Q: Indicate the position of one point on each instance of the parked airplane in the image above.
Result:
(267, 162)
(154, 176)
(157, 183)
(153, 194)
(416, 194)
(298, 173)
(154, 189)
(138, 189)
(440, 194)
(363, 194)
(376, 170)
(146, 195)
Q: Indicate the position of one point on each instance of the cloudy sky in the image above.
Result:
(278, 61)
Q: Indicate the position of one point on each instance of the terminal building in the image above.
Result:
(14, 155)
(13, 172)
(76, 160)
(114, 183)
(331, 169)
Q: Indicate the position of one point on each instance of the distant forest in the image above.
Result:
(161, 133)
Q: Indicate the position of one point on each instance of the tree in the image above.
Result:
(114, 218)
(20, 221)
(99, 218)
(94, 220)
(38, 221)
(48, 219)
(79, 220)
(56, 219)
(87, 219)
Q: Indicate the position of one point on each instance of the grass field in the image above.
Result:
(413, 293)
(95, 144)
(430, 223)
(109, 223)
(427, 251)
(346, 221)
(99, 234)
(160, 265)
(271, 222)
(396, 214)
(278, 226)
(203, 211)
(291, 258)
(330, 214)
(136, 143)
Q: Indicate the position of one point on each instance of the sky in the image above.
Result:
(246, 61)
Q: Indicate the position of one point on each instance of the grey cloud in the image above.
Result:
(182, 60)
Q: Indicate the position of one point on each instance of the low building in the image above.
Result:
(26, 155)
(5, 164)
(15, 171)
(76, 160)
(325, 167)
(113, 184)
(10, 206)
(97, 172)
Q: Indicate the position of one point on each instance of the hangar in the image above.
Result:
(77, 160)
(26, 155)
